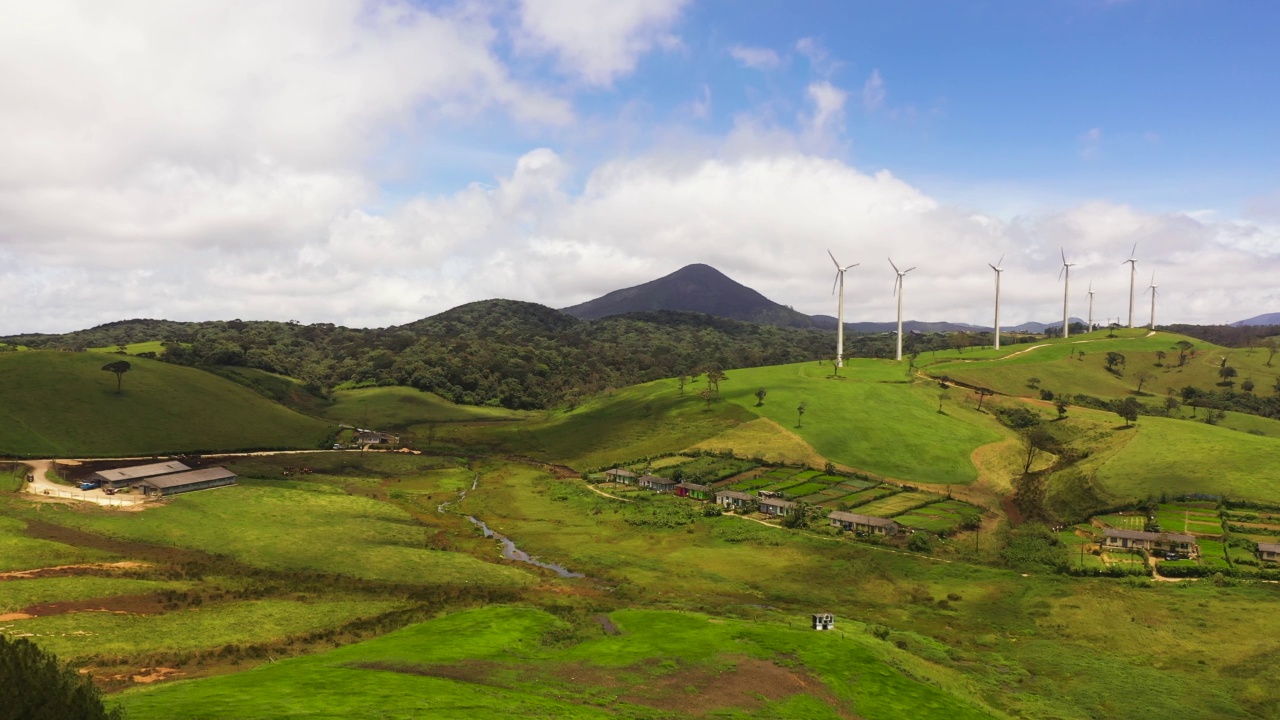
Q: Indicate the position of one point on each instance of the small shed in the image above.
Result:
(824, 621)
(657, 484)
(120, 477)
(373, 437)
(776, 507)
(694, 490)
(733, 498)
(620, 475)
(186, 482)
(864, 524)
(1269, 551)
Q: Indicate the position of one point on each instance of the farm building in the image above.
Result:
(1150, 541)
(186, 482)
(618, 475)
(867, 524)
(694, 490)
(1269, 551)
(657, 484)
(824, 621)
(733, 498)
(371, 437)
(120, 477)
(779, 508)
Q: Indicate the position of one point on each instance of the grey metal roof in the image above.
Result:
(861, 519)
(693, 486)
(620, 472)
(776, 502)
(733, 494)
(655, 480)
(190, 478)
(138, 472)
(1269, 547)
(1144, 535)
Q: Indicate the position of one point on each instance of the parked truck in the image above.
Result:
(90, 485)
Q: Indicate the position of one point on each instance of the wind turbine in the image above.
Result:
(897, 290)
(998, 270)
(1090, 306)
(1153, 292)
(840, 309)
(1065, 272)
(1133, 270)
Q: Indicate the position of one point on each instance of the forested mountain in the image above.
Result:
(697, 288)
(1238, 335)
(1264, 319)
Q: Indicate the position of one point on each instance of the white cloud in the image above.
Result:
(873, 92)
(755, 58)
(597, 40)
(819, 58)
(1091, 143)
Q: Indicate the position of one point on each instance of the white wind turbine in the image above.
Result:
(897, 290)
(998, 270)
(1090, 306)
(1133, 270)
(1153, 292)
(839, 309)
(1065, 272)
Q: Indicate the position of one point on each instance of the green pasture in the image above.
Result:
(291, 528)
(1177, 457)
(18, 594)
(19, 552)
(78, 635)
(635, 674)
(153, 346)
(871, 418)
(894, 504)
(62, 404)
(396, 408)
(871, 494)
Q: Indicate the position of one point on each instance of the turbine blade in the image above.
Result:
(846, 267)
(1000, 261)
(1064, 269)
(1063, 252)
(993, 267)
(1133, 252)
(834, 283)
(895, 267)
(913, 267)
(833, 258)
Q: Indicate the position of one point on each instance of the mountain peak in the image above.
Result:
(693, 288)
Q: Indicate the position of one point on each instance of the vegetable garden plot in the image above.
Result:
(932, 523)
(851, 485)
(869, 495)
(901, 502)
(1125, 522)
(803, 489)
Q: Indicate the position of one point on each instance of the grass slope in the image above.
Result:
(63, 405)
(389, 408)
(639, 673)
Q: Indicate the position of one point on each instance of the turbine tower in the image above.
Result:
(1153, 292)
(839, 309)
(1065, 273)
(897, 290)
(1133, 269)
(1090, 306)
(998, 270)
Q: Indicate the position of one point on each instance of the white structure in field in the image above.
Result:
(839, 309)
(1133, 269)
(897, 290)
(1153, 292)
(824, 621)
(1065, 273)
(998, 270)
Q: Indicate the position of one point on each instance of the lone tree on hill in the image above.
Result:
(681, 382)
(1227, 373)
(708, 396)
(760, 396)
(1247, 385)
(1128, 409)
(714, 376)
(1143, 377)
(1271, 346)
(33, 684)
(943, 395)
(119, 367)
(804, 405)
(1061, 405)
(983, 393)
(1160, 356)
(1183, 347)
(1114, 359)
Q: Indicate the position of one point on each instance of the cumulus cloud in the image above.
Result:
(597, 40)
(755, 58)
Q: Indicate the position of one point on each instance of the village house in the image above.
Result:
(122, 477)
(618, 475)
(694, 490)
(657, 484)
(372, 437)
(186, 482)
(733, 499)
(776, 507)
(824, 621)
(863, 524)
(1269, 552)
(1184, 545)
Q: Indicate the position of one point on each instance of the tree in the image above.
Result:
(1160, 356)
(983, 393)
(1171, 404)
(804, 405)
(1061, 405)
(760, 396)
(1114, 359)
(714, 376)
(1036, 441)
(682, 380)
(1143, 377)
(34, 685)
(1033, 383)
(1271, 346)
(944, 395)
(1128, 409)
(119, 367)
(708, 396)
(1227, 373)
(1183, 347)
(1247, 385)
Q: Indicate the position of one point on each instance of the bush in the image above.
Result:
(920, 542)
(35, 686)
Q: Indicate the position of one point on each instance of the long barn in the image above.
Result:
(186, 482)
(120, 477)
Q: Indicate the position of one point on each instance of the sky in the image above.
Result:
(369, 163)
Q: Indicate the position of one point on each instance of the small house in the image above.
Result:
(694, 490)
(863, 524)
(776, 507)
(657, 484)
(1184, 545)
(621, 476)
(824, 621)
(1269, 552)
(372, 437)
(186, 482)
(121, 477)
(733, 499)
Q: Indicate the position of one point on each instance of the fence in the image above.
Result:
(108, 501)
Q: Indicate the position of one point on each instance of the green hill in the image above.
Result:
(62, 405)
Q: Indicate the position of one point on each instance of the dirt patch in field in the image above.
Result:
(478, 672)
(15, 616)
(147, 676)
(607, 625)
(158, 554)
(68, 570)
(145, 604)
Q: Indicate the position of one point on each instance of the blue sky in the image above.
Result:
(370, 162)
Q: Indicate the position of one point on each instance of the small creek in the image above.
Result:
(511, 552)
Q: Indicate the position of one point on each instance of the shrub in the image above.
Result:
(35, 686)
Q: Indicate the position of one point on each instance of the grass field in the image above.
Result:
(57, 404)
(396, 408)
(894, 504)
(18, 594)
(643, 672)
(154, 346)
(19, 552)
